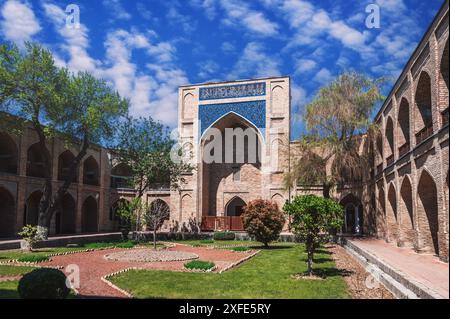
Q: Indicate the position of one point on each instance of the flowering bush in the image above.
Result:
(263, 220)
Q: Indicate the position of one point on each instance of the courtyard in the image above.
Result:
(243, 270)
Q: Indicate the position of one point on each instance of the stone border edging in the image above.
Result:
(240, 261)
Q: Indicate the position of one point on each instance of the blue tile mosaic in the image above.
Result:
(253, 111)
(232, 91)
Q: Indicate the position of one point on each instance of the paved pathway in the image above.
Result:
(423, 268)
(93, 266)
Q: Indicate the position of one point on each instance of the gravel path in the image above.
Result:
(360, 285)
(93, 265)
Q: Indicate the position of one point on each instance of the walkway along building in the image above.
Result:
(406, 201)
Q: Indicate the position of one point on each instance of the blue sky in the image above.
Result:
(146, 49)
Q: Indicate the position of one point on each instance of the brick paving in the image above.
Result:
(93, 266)
(426, 269)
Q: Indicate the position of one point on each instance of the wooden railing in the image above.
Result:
(219, 223)
(390, 160)
(424, 133)
(402, 150)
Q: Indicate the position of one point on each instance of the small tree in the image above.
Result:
(29, 234)
(263, 220)
(313, 219)
(155, 215)
(130, 215)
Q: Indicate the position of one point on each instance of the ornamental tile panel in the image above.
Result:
(253, 111)
(232, 91)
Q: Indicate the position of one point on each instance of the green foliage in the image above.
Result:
(206, 241)
(130, 213)
(199, 264)
(43, 283)
(226, 235)
(29, 233)
(33, 258)
(263, 220)
(145, 146)
(338, 122)
(313, 218)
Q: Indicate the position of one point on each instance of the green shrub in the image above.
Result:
(240, 248)
(29, 233)
(43, 283)
(199, 264)
(127, 244)
(206, 241)
(224, 235)
(33, 258)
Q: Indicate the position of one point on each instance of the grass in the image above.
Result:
(6, 270)
(33, 258)
(8, 290)
(199, 264)
(267, 275)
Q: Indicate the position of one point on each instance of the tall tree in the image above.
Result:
(338, 124)
(145, 146)
(77, 108)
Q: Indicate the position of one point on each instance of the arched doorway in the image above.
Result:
(160, 209)
(32, 208)
(64, 161)
(235, 207)
(65, 222)
(90, 172)
(403, 128)
(231, 160)
(89, 217)
(406, 213)
(7, 214)
(353, 217)
(389, 146)
(427, 212)
(391, 214)
(8, 154)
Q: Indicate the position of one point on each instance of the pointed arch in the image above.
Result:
(65, 159)
(65, 222)
(389, 145)
(89, 215)
(91, 172)
(427, 211)
(391, 213)
(32, 208)
(423, 112)
(353, 218)
(8, 154)
(235, 206)
(444, 78)
(121, 176)
(188, 106)
(406, 211)
(403, 127)
(7, 214)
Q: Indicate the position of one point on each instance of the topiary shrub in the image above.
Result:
(225, 235)
(33, 258)
(263, 220)
(199, 264)
(43, 283)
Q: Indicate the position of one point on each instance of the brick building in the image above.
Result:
(405, 202)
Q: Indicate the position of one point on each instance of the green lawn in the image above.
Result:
(267, 275)
(8, 290)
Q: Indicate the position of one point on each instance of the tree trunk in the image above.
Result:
(154, 238)
(310, 251)
(326, 190)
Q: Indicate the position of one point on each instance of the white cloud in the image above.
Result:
(208, 6)
(323, 76)
(304, 65)
(239, 14)
(18, 22)
(255, 62)
(228, 47)
(207, 69)
(116, 9)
